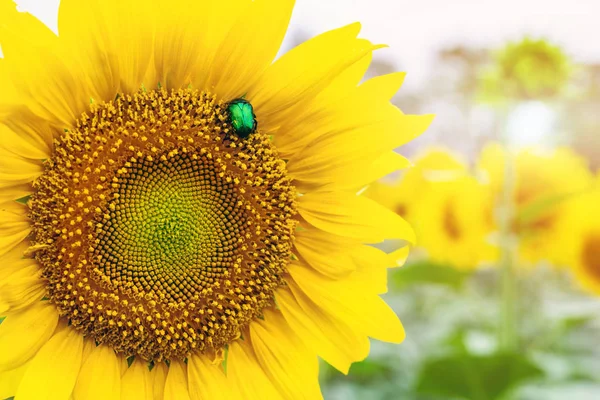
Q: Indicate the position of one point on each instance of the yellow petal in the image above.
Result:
(124, 365)
(333, 113)
(16, 170)
(312, 111)
(32, 29)
(12, 192)
(383, 87)
(26, 135)
(21, 289)
(23, 333)
(364, 265)
(89, 345)
(159, 376)
(349, 215)
(299, 75)
(13, 261)
(280, 351)
(359, 310)
(180, 41)
(327, 253)
(36, 65)
(20, 268)
(189, 33)
(207, 380)
(133, 20)
(341, 86)
(324, 334)
(136, 382)
(245, 374)
(14, 226)
(9, 381)
(84, 33)
(53, 371)
(370, 274)
(249, 47)
(354, 178)
(341, 153)
(9, 95)
(100, 27)
(100, 376)
(176, 386)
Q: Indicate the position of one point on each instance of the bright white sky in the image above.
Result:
(416, 29)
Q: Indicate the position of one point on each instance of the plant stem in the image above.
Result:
(507, 332)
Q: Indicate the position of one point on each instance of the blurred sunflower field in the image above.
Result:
(500, 296)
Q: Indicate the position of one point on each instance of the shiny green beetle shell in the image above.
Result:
(241, 117)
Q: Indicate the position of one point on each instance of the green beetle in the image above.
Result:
(242, 118)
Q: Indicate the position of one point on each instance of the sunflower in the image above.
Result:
(528, 69)
(179, 215)
(582, 244)
(402, 192)
(454, 222)
(544, 182)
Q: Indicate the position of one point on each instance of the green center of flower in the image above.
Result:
(162, 232)
(173, 228)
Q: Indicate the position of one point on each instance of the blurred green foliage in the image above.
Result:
(451, 350)
(471, 377)
(427, 272)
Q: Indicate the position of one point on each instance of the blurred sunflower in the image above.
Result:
(402, 192)
(451, 211)
(454, 222)
(544, 181)
(161, 246)
(529, 69)
(582, 244)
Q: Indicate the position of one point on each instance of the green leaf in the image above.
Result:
(475, 377)
(428, 272)
(456, 341)
(575, 322)
(24, 199)
(537, 209)
(371, 370)
(225, 358)
(365, 373)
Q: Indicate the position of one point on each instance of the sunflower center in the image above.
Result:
(402, 209)
(590, 255)
(159, 230)
(450, 222)
(173, 228)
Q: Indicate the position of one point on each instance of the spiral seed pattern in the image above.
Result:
(160, 232)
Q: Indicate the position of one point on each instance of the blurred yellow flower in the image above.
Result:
(454, 222)
(400, 195)
(450, 210)
(529, 69)
(582, 242)
(543, 182)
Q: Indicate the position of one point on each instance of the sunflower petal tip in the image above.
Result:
(427, 119)
(7, 7)
(355, 27)
(7, 3)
